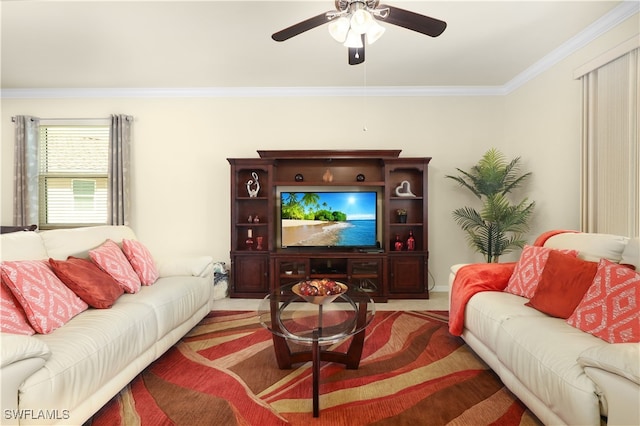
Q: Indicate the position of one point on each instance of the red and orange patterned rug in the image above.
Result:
(224, 372)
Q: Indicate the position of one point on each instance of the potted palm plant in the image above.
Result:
(500, 224)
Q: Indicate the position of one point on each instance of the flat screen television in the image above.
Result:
(329, 218)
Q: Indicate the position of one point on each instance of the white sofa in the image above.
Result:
(66, 376)
(563, 375)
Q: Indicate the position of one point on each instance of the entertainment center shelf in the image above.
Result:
(389, 260)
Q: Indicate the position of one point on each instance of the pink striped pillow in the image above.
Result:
(46, 301)
(12, 316)
(109, 258)
(141, 261)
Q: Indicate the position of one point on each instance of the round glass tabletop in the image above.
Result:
(288, 315)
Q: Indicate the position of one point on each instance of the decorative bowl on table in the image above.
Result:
(319, 292)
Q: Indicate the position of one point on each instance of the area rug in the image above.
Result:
(224, 372)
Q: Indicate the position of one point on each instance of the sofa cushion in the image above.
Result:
(109, 258)
(141, 260)
(62, 243)
(173, 301)
(487, 310)
(543, 354)
(46, 301)
(590, 246)
(526, 276)
(97, 288)
(610, 309)
(12, 316)
(631, 254)
(23, 246)
(88, 352)
(564, 281)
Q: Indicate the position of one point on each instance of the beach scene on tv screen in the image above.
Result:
(312, 219)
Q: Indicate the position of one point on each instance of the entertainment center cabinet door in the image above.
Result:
(250, 276)
(407, 276)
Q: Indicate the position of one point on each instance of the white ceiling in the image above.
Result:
(227, 44)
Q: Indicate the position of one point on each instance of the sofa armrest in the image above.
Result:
(615, 369)
(194, 266)
(16, 347)
(20, 357)
(452, 277)
(622, 359)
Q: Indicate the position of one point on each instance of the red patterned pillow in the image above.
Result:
(88, 281)
(564, 281)
(141, 261)
(109, 258)
(46, 301)
(610, 309)
(12, 316)
(526, 275)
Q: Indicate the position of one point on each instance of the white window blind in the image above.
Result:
(73, 173)
(611, 147)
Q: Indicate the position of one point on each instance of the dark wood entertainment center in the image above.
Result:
(257, 267)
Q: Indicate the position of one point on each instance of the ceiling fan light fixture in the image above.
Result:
(361, 21)
(338, 28)
(353, 39)
(375, 32)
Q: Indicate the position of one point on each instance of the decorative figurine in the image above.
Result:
(253, 186)
(328, 176)
(404, 189)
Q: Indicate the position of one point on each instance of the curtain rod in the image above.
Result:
(128, 117)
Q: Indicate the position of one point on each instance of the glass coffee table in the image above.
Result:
(291, 319)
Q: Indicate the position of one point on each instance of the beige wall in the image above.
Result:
(181, 176)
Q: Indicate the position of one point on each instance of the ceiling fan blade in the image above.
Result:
(300, 27)
(413, 21)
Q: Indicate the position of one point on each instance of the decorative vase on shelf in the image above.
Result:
(259, 243)
(411, 242)
(402, 215)
(249, 241)
(398, 245)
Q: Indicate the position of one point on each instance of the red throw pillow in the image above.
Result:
(526, 275)
(109, 258)
(563, 283)
(89, 282)
(12, 316)
(46, 301)
(610, 309)
(141, 261)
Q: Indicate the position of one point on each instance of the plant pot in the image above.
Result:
(402, 218)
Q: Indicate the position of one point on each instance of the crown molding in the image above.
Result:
(252, 92)
(619, 14)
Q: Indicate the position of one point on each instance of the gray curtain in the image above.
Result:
(119, 166)
(25, 182)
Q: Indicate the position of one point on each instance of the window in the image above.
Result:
(73, 174)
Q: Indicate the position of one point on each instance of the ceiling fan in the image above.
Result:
(353, 21)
